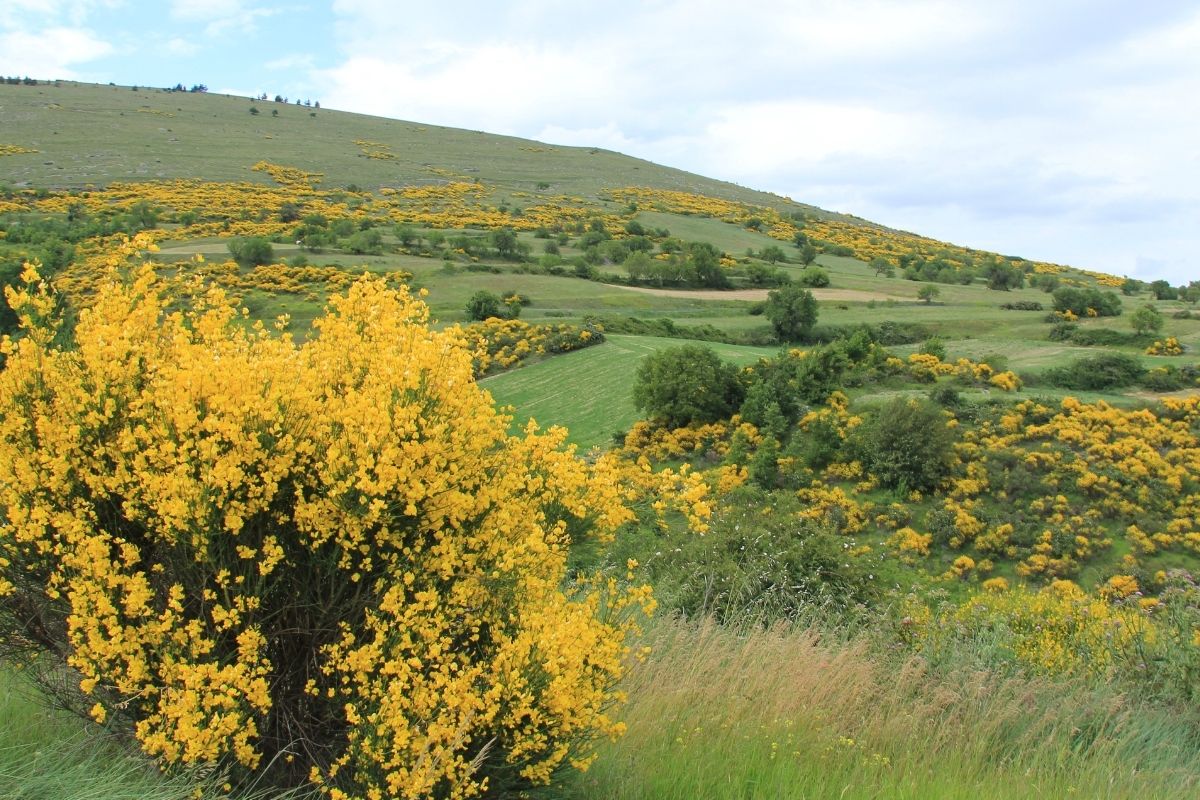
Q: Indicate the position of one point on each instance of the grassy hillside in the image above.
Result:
(93, 134)
(1017, 555)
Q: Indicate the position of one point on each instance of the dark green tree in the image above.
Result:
(772, 254)
(484, 305)
(907, 444)
(251, 251)
(928, 292)
(505, 242)
(808, 253)
(1162, 290)
(792, 311)
(676, 386)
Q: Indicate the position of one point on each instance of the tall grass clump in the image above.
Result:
(806, 711)
(320, 563)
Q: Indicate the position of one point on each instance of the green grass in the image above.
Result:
(800, 713)
(88, 133)
(51, 755)
(590, 391)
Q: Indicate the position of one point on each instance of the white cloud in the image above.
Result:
(49, 53)
(220, 16)
(295, 61)
(178, 46)
(205, 10)
(1065, 126)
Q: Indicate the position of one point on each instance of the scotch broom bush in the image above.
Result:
(324, 561)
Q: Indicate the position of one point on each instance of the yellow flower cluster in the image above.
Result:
(907, 542)
(833, 507)
(376, 150)
(498, 344)
(1057, 630)
(1007, 381)
(242, 536)
(1165, 347)
(660, 444)
(289, 176)
(14, 150)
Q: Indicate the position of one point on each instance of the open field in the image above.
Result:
(590, 392)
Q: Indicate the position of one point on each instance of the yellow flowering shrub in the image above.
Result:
(907, 542)
(498, 344)
(1165, 347)
(1057, 630)
(1007, 381)
(249, 548)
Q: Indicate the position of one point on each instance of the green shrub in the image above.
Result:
(484, 305)
(906, 444)
(761, 566)
(814, 278)
(251, 251)
(1097, 373)
(689, 383)
(1078, 300)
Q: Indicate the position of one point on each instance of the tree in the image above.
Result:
(1078, 300)
(684, 384)
(772, 254)
(882, 267)
(792, 311)
(1003, 276)
(928, 292)
(505, 242)
(1162, 290)
(483, 305)
(363, 243)
(406, 234)
(704, 265)
(808, 253)
(906, 444)
(251, 251)
(1146, 319)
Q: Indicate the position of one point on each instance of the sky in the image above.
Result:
(1056, 130)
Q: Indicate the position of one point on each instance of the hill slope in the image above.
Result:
(93, 134)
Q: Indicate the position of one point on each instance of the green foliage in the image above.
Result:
(368, 242)
(251, 251)
(928, 292)
(907, 444)
(808, 253)
(1003, 276)
(1078, 300)
(1146, 320)
(773, 254)
(685, 384)
(792, 311)
(1097, 373)
(786, 385)
(815, 278)
(484, 305)
(934, 346)
(757, 562)
(1162, 290)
